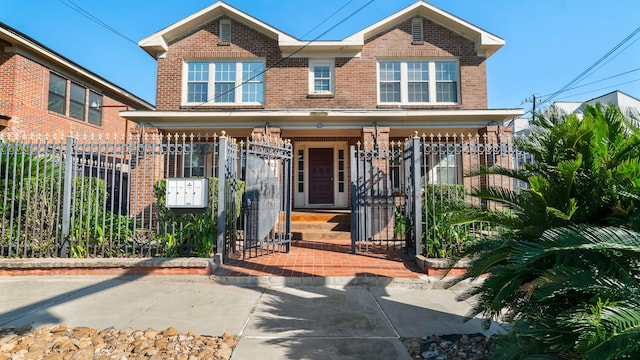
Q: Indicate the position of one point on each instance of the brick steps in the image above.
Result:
(321, 225)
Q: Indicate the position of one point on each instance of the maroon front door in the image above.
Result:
(320, 176)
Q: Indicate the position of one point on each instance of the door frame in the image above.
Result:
(340, 199)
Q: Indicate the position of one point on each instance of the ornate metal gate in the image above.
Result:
(383, 200)
(267, 200)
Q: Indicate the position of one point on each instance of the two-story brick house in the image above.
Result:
(42, 92)
(419, 70)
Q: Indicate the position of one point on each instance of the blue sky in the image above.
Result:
(548, 42)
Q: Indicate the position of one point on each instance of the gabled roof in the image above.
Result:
(157, 44)
(486, 43)
(29, 47)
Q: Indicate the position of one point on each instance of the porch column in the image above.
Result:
(498, 144)
(372, 135)
(269, 132)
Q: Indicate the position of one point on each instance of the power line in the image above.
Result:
(217, 96)
(327, 19)
(605, 88)
(594, 82)
(585, 72)
(96, 20)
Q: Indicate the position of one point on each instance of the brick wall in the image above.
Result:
(24, 95)
(287, 81)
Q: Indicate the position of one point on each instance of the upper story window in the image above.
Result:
(77, 100)
(79, 105)
(418, 82)
(57, 94)
(225, 82)
(321, 77)
(225, 32)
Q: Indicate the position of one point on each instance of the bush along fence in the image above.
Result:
(104, 197)
(405, 193)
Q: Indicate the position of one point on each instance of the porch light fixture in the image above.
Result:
(319, 125)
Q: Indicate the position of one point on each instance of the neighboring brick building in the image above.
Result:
(419, 70)
(42, 92)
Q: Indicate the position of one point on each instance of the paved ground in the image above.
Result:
(345, 320)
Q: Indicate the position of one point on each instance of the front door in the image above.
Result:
(320, 176)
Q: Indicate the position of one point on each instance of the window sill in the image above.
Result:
(222, 107)
(417, 42)
(321, 96)
(224, 43)
(420, 107)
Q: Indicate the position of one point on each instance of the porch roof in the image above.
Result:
(323, 119)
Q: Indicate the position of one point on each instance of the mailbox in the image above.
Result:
(187, 194)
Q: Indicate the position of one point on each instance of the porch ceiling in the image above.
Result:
(323, 119)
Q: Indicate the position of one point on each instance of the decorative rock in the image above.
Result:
(63, 343)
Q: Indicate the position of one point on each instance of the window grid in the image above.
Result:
(198, 77)
(418, 82)
(390, 81)
(229, 82)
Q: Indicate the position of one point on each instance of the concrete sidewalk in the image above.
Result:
(302, 322)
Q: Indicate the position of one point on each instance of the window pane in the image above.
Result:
(447, 92)
(253, 82)
(95, 111)
(446, 71)
(390, 81)
(197, 86)
(390, 92)
(418, 71)
(252, 92)
(76, 105)
(390, 71)
(197, 92)
(446, 78)
(225, 82)
(57, 93)
(418, 92)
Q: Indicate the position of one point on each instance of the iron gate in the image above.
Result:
(267, 198)
(383, 199)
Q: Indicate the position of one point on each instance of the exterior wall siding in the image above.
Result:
(24, 97)
(286, 81)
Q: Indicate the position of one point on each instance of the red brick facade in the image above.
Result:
(286, 81)
(24, 96)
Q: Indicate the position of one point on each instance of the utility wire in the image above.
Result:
(217, 96)
(585, 72)
(96, 20)
(593, 82)
(327, 19)
(604, 88)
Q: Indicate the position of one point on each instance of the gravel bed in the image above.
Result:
(450, 347)
(63, 343)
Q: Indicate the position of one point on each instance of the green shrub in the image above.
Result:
(190, 234)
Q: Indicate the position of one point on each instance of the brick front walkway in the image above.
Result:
(325, 258)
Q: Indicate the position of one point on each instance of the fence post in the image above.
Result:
(416, 153)
(222, 193)
(66, 197)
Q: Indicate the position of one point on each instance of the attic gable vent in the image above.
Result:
(416, 31)
(225, 32)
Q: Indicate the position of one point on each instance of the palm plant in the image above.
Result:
(566, 258)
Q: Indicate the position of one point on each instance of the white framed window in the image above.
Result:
(228, 82)
(225, 32)
(418, 82)
(321, 76)
(441, 168)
